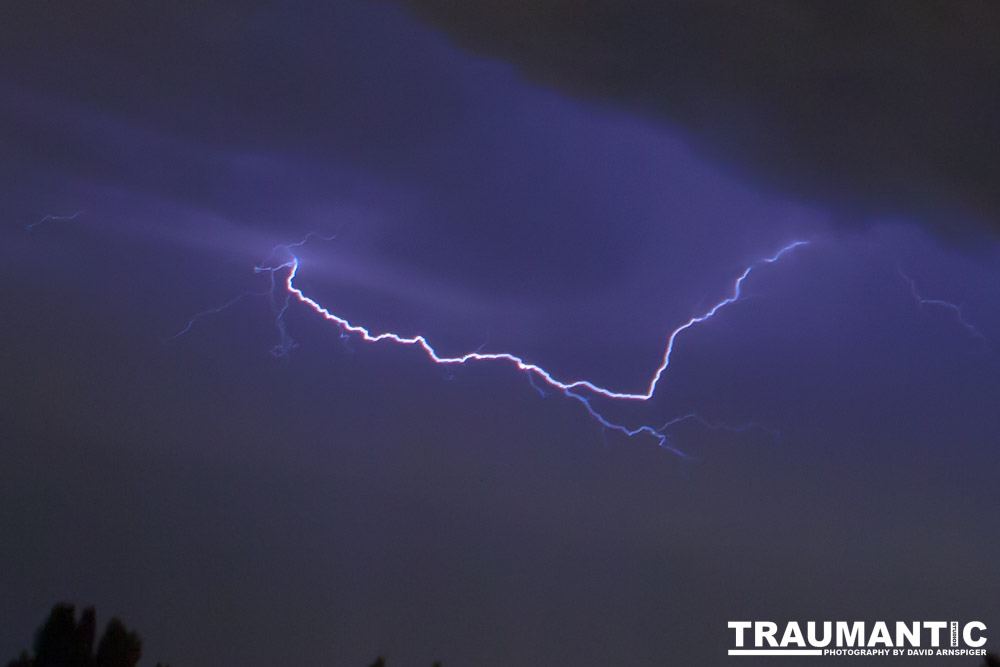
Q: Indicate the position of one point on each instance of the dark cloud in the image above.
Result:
(272, 114)
(239, 76)
(873, 109)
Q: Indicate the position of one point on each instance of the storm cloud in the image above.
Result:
(873, 110)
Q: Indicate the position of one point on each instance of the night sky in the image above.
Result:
(568, 182)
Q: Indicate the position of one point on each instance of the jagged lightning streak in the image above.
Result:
(572, 389)
(955, 308)
(533, 369)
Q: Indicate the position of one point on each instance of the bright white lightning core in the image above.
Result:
(534, 369)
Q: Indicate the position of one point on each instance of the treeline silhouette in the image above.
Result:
(62, 641)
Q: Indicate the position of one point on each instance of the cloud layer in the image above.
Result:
(872, 109)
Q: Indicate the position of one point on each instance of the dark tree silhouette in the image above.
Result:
(118, 646)
(64, 642)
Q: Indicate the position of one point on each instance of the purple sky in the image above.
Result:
(352, 499)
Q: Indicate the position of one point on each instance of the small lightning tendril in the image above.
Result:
(55, 218)
(955, 308)
(215, 311)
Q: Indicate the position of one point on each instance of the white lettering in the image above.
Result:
(880, 635)
(765, 630)
(856, 636)
(935, 627)
(967, 634)
(739, 626)
(912, 634)
(792, 635)
(827, 634)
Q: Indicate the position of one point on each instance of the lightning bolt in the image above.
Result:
(534, 370)
(955, 308)
(582, 391)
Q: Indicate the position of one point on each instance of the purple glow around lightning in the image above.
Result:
(571, 389)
